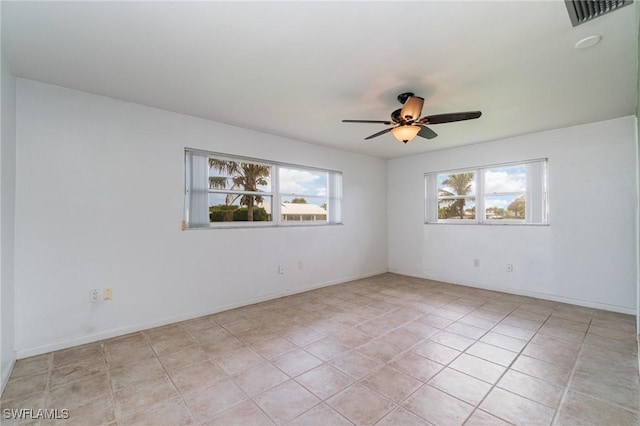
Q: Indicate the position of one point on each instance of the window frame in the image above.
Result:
(537, 206)
(333, 197)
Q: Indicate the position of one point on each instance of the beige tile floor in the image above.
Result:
(387, 350)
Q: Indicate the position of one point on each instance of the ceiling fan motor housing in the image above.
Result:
(402, 97)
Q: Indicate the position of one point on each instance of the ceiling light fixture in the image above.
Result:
(588, 42)
(407, 122)
(405, 133)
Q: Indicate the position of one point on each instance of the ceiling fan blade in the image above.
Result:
(412, 108)
(388, 123)
(375, 135)
(427, 133)
(448, 118)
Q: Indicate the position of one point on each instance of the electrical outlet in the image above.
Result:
(509, 267)
(107, 294)
(94, 294)
(280, 269)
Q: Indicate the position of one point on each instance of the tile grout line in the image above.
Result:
(426, 382)
(252, 398)
(111, 390)
(464, 351)
(582, 346)
(573, 370)
(168, 375)
(233, 379)
(518, 354)
(477, 406)
(355, 349)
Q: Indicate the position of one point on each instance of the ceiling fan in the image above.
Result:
(408, 125)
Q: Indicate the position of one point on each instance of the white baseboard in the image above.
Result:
(5, 374)
(107, 334)
(537, 295)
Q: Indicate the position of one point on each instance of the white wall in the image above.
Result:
(586, 256)
(7, 216)
(638, 192)
(100, 201)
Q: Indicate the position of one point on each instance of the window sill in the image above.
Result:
(487, 223)
(301, 225)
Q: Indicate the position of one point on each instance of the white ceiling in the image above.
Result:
(297, 68)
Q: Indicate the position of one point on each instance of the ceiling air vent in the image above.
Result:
(581, 11)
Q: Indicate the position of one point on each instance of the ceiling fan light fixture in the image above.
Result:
(405, 133)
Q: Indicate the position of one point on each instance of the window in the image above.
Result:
(223, 190)
(501, 194)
